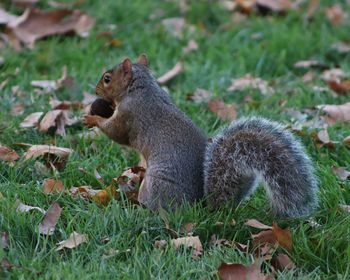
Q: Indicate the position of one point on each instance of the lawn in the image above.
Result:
(264, 46)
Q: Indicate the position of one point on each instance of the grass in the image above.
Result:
(319, 253)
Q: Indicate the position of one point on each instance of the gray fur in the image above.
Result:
(252, 147)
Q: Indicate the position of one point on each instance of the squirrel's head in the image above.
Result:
(116, 81)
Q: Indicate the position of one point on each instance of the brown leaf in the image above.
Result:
(346, 141)
(335, 14)
(65, 105)
(17, 109)
(6, 18)
(8, 154)
(337, 113)
(49, 120)
(218, 242)
(187, 228)
(238, 271)
(249, 82)
(84, 191)
(264, 237)
(283, 236)
(35, 24)
(256, 224)
(39, 150)
(73, 241)
(341, 172)
(191, 46)
(334, 74)
(49, 86)
(103, 197)
(226, 112)
(47, 226)
(5, 243)
(200, 95)
(189, 241)
(20, 207)
(130, 179)
(341, 47)
(340, 87)
(51, 185)
(176, 70)
(160, 244)
(282, 262)
(32, 120)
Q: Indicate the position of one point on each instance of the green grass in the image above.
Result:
(319, 253)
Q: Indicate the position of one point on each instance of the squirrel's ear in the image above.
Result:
(143, 60)
(127, 66)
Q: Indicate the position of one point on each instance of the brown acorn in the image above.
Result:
(101, 107)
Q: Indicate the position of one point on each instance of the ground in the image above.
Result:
(265, 47)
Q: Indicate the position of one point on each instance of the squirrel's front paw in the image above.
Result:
(91, 121)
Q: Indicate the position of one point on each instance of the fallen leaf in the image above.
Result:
(191, 46)
(47, 226)
(341, 47)
(189, 241)
(249, 82)
(8, 154)
(336, 113)
(35, 24)
(160, 244)
(264, 237)
(345, 208)
(17, 109)
(276, 6)
(309, 64)
(5, 243)
(51, 185)
(238, 271)
(176, 70)
(20, 207)
(187, 228)
(346, 141)
(256, 224)
(341, 172)
(226, 112)
(335, 14)
(39, 150)
(32, 120)
(282, 262)
(284, 236)
(341, 87)
(5, 17)
(312, 8)
(103, 197)
(49, 86)
(84, 191)
(214, 241)
(130, 179)
(65, 105)
(200, 95)
(73, 241)
(334, 74)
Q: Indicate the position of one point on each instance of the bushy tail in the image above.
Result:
(255, 148)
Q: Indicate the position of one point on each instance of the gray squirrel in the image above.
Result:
(183, 166)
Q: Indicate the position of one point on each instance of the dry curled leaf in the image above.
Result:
(8, 154)
(189, 241)
(187, 228)
(340, 87)
(341, 172)
(237, 271)
(83, 191)
(335, 14)
(282, 262)
(32, 120)
(47, 226)
(176, 70)
(334, 74)
(226, 112)
(305, 64)
(323, 138)
(191, 46)
(48, 86)
(130, 179)
(284, 236)
(35, 24)
(341, 47)
(51, 185)
(160, 244)
(200, 95)
(256, 224)
(65, 105)
(249, 82)
(73, 241)
(20, 207)
(336, 113)
(57, 120)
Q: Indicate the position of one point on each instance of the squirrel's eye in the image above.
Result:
(107, 79)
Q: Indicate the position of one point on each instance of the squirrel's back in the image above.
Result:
(255, 147)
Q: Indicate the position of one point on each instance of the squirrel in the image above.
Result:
(182, 166)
